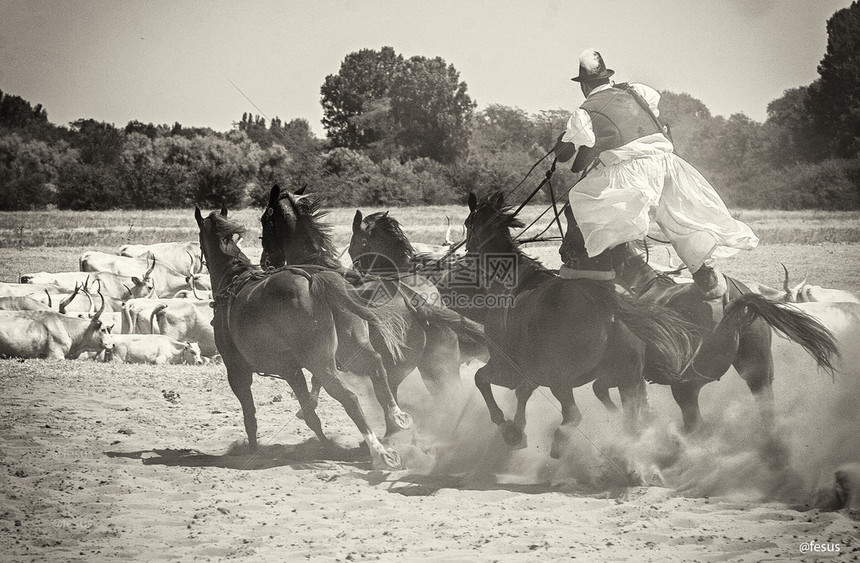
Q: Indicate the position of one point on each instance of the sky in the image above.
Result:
(205, 63)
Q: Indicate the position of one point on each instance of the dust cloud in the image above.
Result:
(736, 454)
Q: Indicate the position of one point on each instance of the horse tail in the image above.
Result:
(331, 287)
(673, 339)
(796, 325)
(473, 342)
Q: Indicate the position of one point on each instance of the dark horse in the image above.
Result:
(293, 233)
(562, 333)
(379, 247)
(282, 321)
(742, 338)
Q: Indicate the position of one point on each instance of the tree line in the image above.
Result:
(404, 131)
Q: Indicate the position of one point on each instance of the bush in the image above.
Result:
(90, 187)
(829, 185)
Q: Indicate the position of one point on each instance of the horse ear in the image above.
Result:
(274, 195)
(223, 210)
(198, 216)
(473, 201)
(498, 200)
(300, 191)
(356, 221)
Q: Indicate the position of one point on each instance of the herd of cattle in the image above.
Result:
(152, 304)
(145, 304)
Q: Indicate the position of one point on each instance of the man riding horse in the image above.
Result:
(627, 167)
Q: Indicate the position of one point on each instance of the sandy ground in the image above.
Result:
(104, 462)
(109, 462)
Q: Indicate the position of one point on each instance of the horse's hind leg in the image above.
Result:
(381, 457)
(514, 432)
(440, 367)
(307, 401)
(754, 363)
(634, 401)
(571, 417)
(687, 396)
(601, 388)
(358, 356)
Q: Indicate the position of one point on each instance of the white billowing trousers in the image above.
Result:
(612, 204)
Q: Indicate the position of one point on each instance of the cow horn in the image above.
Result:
(65, 302)
(50, 303)
(785, 283)
(448, 240)
(101, 309)
(92, 306)
(151, 268)
(128, 289)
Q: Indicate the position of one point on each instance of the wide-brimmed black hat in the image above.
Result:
(592, 67)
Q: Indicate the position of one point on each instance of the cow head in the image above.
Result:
(191, 354)
(144, 287)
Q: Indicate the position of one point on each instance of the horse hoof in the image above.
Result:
(402, 420)
(513, 435)
(390, 460)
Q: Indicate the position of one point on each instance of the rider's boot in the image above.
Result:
(710, 283)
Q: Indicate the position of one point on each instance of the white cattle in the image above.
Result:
(168, 280)
(804, 293)
(151, 349)
(110, 284)
(22, 304)
(186, 320)
(173, 254)
(46, 334)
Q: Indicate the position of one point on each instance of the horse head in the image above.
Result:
(379, 242)
(219, 240)
(489, 223)
(293, 232)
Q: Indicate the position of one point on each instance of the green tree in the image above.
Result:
(834, 99)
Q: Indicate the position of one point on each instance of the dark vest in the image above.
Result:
(617, 119)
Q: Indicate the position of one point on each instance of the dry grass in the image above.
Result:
(824, 244)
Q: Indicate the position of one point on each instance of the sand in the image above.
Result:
(110, 462)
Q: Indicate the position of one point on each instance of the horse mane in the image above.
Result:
(390, 228)
(226, 228)
(309, 221)
(504, 220)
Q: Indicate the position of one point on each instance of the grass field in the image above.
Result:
(826, 245)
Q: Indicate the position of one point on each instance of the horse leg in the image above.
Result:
(484, 378)
(440, 366)
(240, 377)
(634, 401)
(600, 387)
(307, 401)
(381, 457)
(687, 396)
(570, 418)
(361, 358)
(754, 363)
(483, 381)
(513, 432)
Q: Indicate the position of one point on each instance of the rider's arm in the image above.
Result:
(577, 133)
